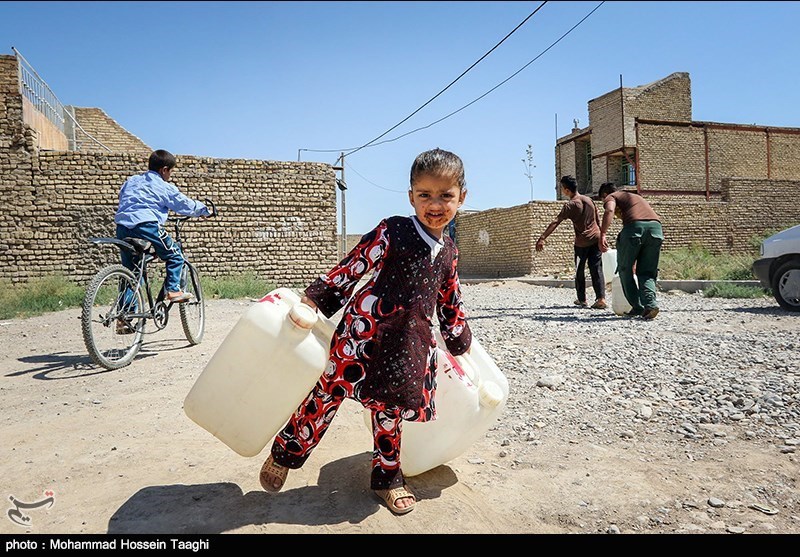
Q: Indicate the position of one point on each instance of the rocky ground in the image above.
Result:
(685, 424)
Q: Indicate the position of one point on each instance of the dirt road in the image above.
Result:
(118, 455)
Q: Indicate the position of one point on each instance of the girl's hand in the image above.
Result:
(307, 301)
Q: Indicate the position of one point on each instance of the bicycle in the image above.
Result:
(119, 302)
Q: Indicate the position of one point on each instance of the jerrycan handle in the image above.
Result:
(302, 316)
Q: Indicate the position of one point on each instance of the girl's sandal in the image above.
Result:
(271, 470)
(390, 497)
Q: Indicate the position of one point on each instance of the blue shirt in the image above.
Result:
(148, 198)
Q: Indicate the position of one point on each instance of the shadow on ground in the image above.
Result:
(341, 496)
(63, 365)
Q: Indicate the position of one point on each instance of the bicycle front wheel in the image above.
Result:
(112, 317)
(193, 312)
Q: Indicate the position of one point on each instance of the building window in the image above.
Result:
(588, 165)
(627, 174)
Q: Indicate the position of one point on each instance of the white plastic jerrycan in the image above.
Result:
(471, 393)
(609, 262)
(619, 304)
(261, 372)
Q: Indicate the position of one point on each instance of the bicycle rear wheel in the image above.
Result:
(112, 317)
(193, 312)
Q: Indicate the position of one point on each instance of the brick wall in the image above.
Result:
(672, 157)
(94, 123)
(566, 165)
(784, 156)
(48, 135)
(605, 119)
(278, 219)
(496, 242)
(759, 206)
(666, 99)
(501, 242)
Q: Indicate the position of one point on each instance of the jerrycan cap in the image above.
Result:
(302, 316)
(490, 394)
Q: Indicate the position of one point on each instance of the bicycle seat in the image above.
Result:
(141, 246)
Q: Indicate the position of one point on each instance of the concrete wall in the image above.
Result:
(48, 135)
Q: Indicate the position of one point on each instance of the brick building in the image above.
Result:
(717, 185)
(644, 138)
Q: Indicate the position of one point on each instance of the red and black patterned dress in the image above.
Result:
(383, 350)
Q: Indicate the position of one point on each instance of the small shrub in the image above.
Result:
(698, 263)
(727, 290)
(236, 286)
(38, 296)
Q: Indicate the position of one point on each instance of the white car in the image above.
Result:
(778, 269)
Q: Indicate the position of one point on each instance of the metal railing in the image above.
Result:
(38, 93)
(34, 88)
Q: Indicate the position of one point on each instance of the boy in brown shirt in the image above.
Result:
(586, 221)
(638, 244)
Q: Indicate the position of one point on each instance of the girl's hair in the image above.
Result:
(440, 163)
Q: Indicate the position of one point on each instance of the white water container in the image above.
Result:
(471, 393)
(609, 265)
(619, 304)
(262, 371)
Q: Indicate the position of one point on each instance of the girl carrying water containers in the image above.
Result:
(382, 353)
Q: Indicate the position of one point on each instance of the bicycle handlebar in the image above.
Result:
(210, 203)
(207, 202)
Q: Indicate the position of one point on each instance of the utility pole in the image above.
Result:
(342, 185)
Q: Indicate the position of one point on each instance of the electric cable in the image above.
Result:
(353, 150)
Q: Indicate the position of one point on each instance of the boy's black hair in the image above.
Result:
(159, 159)
(606, 188)
(570, 183)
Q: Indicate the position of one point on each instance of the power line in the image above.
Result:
(389, 189)
(496, 86)
(353, 150)
(452, 82)
(370, 181)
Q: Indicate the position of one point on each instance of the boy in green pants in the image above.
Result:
(638, 243)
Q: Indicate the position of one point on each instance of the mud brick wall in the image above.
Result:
(97, 125)
(758, 207)
(501, 242)
(277, 219)
(672, 157)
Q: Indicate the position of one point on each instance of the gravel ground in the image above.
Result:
(685, 424)
(701, 361)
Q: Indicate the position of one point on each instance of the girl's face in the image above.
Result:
(435, 201)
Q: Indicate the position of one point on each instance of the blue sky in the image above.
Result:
(262, 80)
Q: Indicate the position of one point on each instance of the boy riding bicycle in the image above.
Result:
(145, 201)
